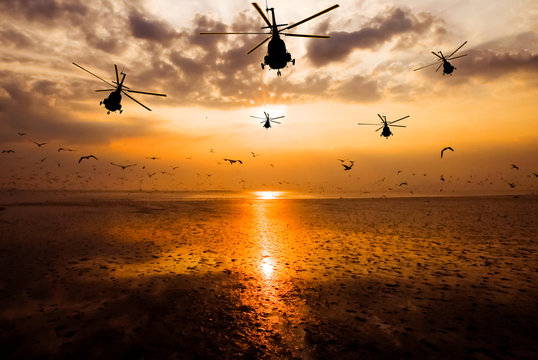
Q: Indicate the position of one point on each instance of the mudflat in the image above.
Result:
(264, 279)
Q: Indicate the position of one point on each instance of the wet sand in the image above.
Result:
(265, 279)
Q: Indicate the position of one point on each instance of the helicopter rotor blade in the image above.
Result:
(136, 101)
(398, 125)
(381, 117)
(311, 17)
(257, 117)
(380, 128)
(455, 57)
(436, 54)
(259, 10)
(422, 67)
(145, 93)
(89, 72)
(392, 122)
(307, 36)
(453, 52)
(367, 124)
(261, 122)
(260, 44)
(117, 76)
(105, 90)
(234, 33)
(436, 70)
(278, 122)
(278, 117)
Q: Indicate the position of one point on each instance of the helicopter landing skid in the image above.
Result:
(263, 66)
(278, 73)
(293, 62)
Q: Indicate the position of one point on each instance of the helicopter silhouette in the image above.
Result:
(277, 56)
(385, 125)
(113, 101)
(268, 120)
(447, 67)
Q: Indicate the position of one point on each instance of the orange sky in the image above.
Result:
(486, 111)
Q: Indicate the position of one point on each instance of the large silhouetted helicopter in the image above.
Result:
(267, 120)
(113, 101)
(447, 67)
(277, 56)
(385, 125)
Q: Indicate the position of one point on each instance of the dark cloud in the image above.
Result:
(144, 27)
(373, 34)
(45, 10)
(10, 36)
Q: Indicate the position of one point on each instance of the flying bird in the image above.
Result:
(21, 133)
(153, 158)
(444, 149)
(254, 155)
(512, 185)
(348, 167)
(65, 149)
(9, 151)
(39, 144)
(404, 183)
(233, 161)
(150, 175)
(442, 178)
(212, 150)
(174, 167)
(123, 167)
(535, 174)
(514, 166)
(87, 157)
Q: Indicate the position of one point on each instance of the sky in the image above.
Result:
(486, 111)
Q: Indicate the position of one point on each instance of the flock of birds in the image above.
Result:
(148, 172)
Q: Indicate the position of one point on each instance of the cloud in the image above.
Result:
(144, 27)
(376, 32)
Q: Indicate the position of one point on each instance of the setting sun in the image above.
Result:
(268, 195)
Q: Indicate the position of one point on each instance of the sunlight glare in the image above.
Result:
(268, 195)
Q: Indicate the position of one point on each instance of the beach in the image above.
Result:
(243, 278)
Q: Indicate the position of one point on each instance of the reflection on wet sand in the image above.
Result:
(270, 278)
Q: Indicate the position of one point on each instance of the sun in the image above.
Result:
(267, 195)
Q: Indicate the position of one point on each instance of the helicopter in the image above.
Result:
(447, 67)
(113, 101)
(277, 56)
(385, 125)
(268, 120)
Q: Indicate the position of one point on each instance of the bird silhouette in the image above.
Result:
(404, 183)
(150, 175)
(514, 166)
(153, 158)
(8, 151)
(442, 178)
(233, 161)
(87, 158)
(444, 149)
(123, 167)
(535, 174)
(512, 185)
(254, 155)
(348, 167)
(21, 133)
(212, 150)
(65, 149)
(39, 144)
(174, 167)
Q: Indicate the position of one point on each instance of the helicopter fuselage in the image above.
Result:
(113, 101)
(267, 124)
(447, 67)
(386, 131)
(277, 56)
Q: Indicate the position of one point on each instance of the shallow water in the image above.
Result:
(254, 278)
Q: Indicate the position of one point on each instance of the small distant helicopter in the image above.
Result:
(385, 125)
(113, 101)
(447, 67)
(268, 120)
(277, 56)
